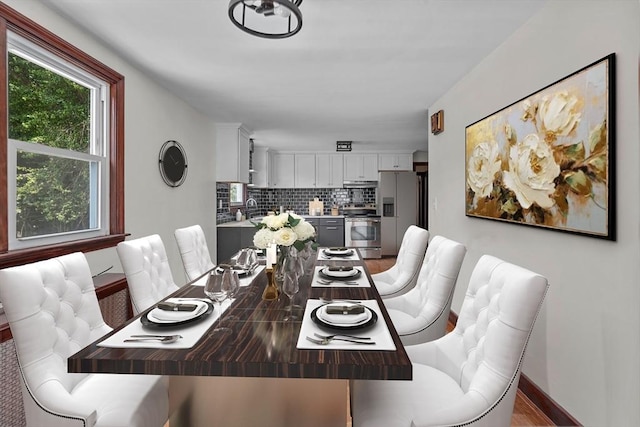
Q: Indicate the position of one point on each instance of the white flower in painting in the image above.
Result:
(263, 238)
(304, 230)
(532, 170)
(484, 163)
(558, 114)
(285, 236)
(529, 110)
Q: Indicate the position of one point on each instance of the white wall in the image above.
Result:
(585, 350)
(152, 116)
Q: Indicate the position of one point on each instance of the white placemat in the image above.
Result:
(244, 280)
(379, 332)
(191, 332)
(361, 281)
(322, 256)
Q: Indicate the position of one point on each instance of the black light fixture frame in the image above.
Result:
(292, 5)
(343, 145)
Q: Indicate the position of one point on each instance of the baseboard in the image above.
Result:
(556, 413)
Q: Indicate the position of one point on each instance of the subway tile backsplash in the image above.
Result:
(296, 199)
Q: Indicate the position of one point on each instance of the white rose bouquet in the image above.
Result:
(286, 229)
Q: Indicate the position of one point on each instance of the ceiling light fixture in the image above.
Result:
(270, 19)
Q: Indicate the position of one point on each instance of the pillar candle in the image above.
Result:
(271, 255)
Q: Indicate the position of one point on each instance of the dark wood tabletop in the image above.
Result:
(262, 343)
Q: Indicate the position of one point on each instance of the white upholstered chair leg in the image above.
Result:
(53, 312)
(421, 314)
(403, 275)
(194, 251)
(469, 376)
(146, 266)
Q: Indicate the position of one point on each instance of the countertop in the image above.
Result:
(247, 223)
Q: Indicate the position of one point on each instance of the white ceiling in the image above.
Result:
(359, 70)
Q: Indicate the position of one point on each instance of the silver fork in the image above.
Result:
(167, 339)
(328, 337)
(328, 282)
(325, 341)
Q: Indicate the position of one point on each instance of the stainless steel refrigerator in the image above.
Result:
(398, 202)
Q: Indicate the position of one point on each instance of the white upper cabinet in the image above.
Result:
(232, 152)
(305, 170)
(329, 170)
(395, 161)
(360, 167)
(282, 170)
(260, 171)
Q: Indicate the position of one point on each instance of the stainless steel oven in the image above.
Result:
(363, 232)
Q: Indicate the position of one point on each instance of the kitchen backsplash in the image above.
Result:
(295, 199)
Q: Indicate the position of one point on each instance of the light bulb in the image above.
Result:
(280, 10)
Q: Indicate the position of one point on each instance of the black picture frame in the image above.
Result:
(548, 159)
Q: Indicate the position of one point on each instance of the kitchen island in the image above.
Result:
(232, 236)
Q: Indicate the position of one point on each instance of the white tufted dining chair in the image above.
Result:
(470, 376)
(146, 266)
(194, 251)
(421, 314)
(402, 276)
(53, 312)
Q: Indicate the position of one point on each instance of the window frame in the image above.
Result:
(11, 20)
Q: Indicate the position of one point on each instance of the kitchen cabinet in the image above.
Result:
(331, 232)
(260, 167)
(329, 170)
(305, 170)
(232, 152)
(360, 167)
(231, 239)
(282, 170)
(395, 161)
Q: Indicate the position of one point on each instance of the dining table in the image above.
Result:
(264, 371)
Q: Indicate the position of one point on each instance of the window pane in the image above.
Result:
(47, 108)
(54, 194)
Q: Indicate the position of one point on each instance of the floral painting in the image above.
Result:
(547, 160)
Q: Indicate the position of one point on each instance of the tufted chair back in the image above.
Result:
(53, 313)
(470, 376)
(421, 314)
(145, 263)
(194, 251)
(402, 276)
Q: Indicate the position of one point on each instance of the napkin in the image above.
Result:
(342, 319)
(159, 315)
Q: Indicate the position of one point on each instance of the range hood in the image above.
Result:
(360, 184)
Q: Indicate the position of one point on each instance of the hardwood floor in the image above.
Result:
(525, 413)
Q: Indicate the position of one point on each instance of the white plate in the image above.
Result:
(164, 316)
(344, 319)
(340, 273)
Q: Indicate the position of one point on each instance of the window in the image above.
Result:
(62, 148)
(57, 155)
(236, 194)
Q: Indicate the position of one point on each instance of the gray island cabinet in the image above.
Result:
(233, 236)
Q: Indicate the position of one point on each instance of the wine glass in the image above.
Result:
(216, 290)
(247, 260)
(290, 287)
(231, 282)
